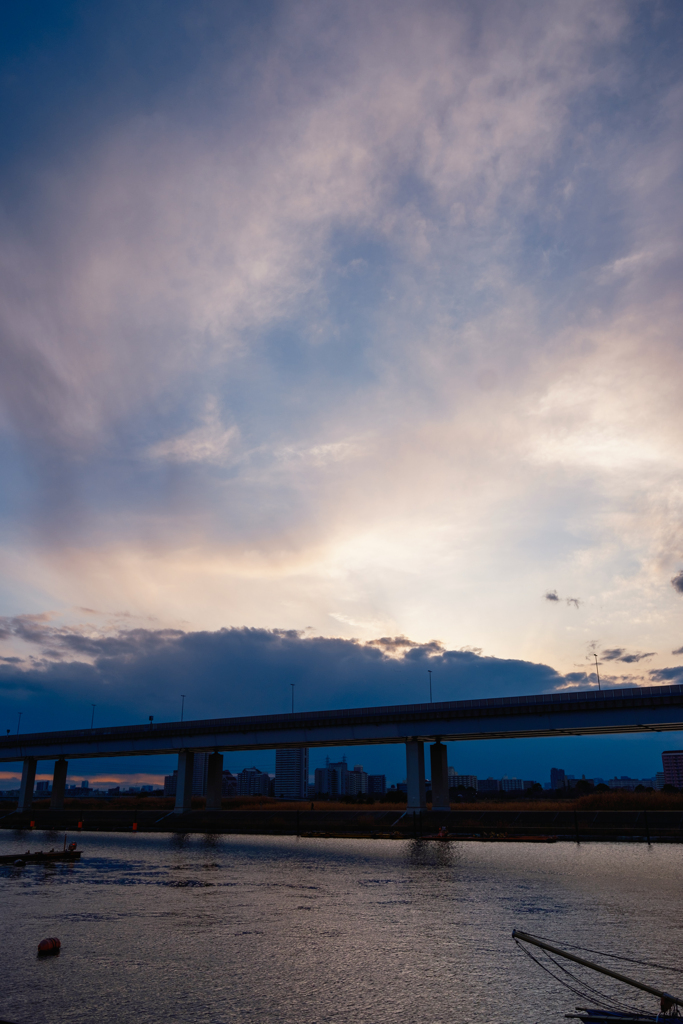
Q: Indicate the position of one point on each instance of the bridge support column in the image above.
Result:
(415, 774)
(28, 781)
(59, 785)
(214, 782)
(438, 755)
(183, 793)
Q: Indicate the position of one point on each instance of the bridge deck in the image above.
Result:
(633, 709)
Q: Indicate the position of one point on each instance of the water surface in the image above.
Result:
(166, 928)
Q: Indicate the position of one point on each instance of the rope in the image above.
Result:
(587, 990)
(613, 999)
(616, 956)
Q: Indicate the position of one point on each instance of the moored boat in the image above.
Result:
(68, 853)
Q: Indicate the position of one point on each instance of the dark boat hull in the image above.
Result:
(41, 858)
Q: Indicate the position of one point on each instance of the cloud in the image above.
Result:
(619, 654)
(366, 310)
(667, 676)
(677, 582)
(209, 443)
(679, 650)
(551, 595)
(243, 671)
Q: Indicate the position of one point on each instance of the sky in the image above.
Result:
(339, 341)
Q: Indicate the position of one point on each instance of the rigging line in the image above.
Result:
(560, 981)
(615, 1001)
(594, 993)
(615, 956)
(581, 993)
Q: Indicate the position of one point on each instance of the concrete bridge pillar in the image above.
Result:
(438, 754)
(415, 775)
(183, 793)
(214, 782)
(59, 785)
(28, 781)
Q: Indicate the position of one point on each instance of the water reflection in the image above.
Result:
(423, 853)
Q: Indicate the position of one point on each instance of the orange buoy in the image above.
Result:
(49, 946)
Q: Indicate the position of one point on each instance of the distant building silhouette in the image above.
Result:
(672, 761)
(357, 781)
(291, 773)
(253, 782)
(558, 779)
(229, 784)
(200, 774)
(461, 781)
(333, 779)
(377, 785)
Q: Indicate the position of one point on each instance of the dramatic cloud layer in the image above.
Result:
(139, 672)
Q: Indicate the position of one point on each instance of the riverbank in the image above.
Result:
(568, 824)
(611, 801)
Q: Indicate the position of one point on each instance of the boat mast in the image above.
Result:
(596, 967)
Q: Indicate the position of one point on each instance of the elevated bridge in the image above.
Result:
(567, 713)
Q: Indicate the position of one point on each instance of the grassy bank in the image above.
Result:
(613, 801)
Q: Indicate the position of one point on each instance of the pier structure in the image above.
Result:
(567, 713)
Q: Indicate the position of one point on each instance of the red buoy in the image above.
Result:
(49, 946)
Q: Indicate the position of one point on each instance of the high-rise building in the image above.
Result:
(291, 773)
(659, 780)
(377, 784)
(357, 780)
(253, 782)
(333, 779)
(200, 774)
(170, 784)
(43, 787)
(228, 784)
(489, 785)
(672, 761)
(558, 779)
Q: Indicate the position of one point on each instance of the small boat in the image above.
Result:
(69, 853)
(669, 1005)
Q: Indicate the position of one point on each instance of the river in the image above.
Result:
(209, 929)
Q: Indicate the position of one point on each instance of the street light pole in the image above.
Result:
(429, 672)
(92, 717)
(20, 713)
(292, 685)
(597, 670)
(182, 707)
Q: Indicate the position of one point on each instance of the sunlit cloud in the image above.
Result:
(369, 323)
